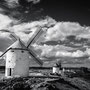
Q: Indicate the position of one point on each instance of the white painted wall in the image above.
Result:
(55, 69)
(18, 61)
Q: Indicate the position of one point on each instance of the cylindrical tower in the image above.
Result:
(17, 61)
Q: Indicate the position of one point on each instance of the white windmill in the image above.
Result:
(17, 55)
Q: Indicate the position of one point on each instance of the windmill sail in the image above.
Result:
(5, 52)
(12, 34)
(34, 56)
(39, 35)
(35, 36)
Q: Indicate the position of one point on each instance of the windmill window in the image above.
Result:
(22, 51)
(12, 51)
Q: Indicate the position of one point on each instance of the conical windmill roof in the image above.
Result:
(17, 44)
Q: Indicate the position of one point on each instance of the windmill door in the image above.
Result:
(9, 71)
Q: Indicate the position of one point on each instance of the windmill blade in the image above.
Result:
(38, 36)
(35, 35)
(5, 52)
(12, 34)
(15, 36)
(22, 43)
(34, 56)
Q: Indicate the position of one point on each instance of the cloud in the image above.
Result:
(12, 3)
(85, 34)
(55, 31)
(16, 3)
(61, 51)
(87, 51)
(5, 24)
(34, 1)
(5, 21)
(23, 28)
(59, 30)
(63, 29)
(75, 54)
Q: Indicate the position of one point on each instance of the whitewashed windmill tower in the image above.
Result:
(17, 56)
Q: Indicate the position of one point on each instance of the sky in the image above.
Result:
(68, 10)
(67, 24)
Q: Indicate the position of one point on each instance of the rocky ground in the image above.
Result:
(27, 83)
(69, 81)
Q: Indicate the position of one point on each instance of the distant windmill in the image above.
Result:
(17, 55)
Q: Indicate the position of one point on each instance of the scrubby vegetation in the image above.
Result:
(69, 81)
(27, 83)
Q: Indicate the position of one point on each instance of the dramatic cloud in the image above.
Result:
(63, 29)
(12, 3)
(16, 3)
(85, 34)
(55, 31)
(5, 21)
(17, 16)
(59, 30)
(61, 51)
(24, 30)
(77, 54)
(34, 1)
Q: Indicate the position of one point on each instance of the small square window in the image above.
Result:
(12, 51)
(22, 51)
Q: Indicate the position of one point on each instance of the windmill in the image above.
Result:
(17, 55)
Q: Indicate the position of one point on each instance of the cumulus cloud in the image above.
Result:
(63, 29)
(12, 3)
(55, 31)
(16, 3)
(59, 30)
(75, 54)
(24, 30)
(5, 21)
(85, 34)
(5, 24)
(87, 51)
(61, 51)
